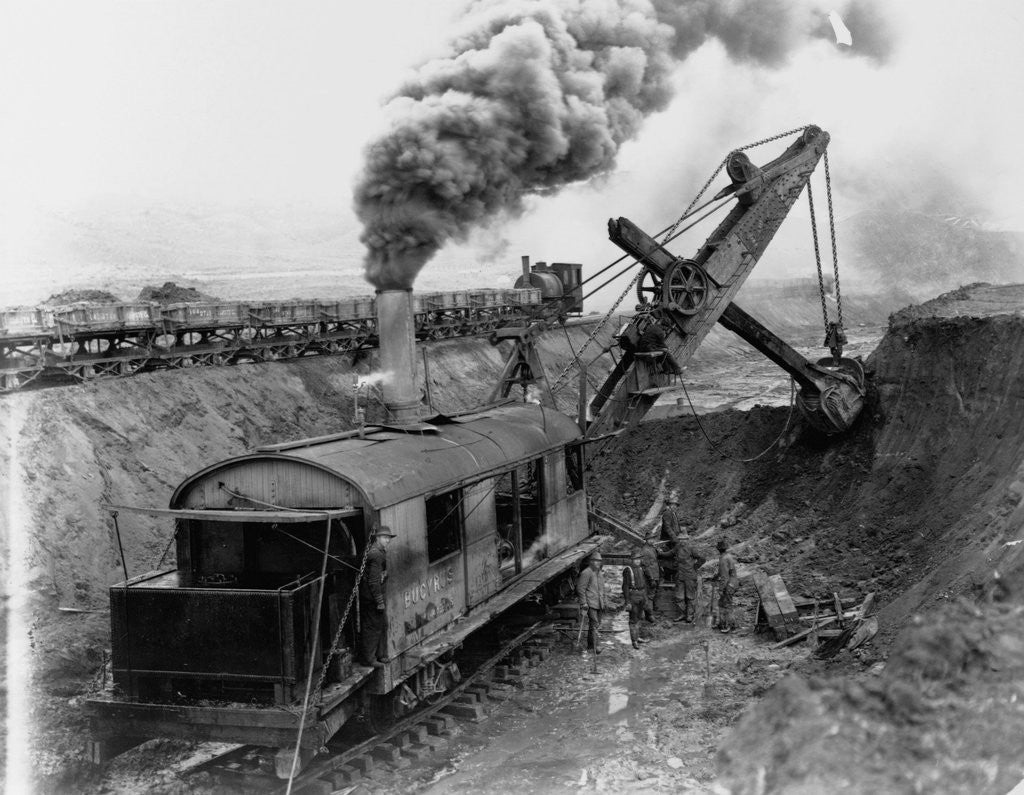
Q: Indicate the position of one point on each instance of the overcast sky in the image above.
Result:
(179, 102)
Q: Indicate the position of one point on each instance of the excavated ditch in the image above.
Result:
(921, 503)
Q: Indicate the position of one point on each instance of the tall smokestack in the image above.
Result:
(396, 332)
(526, 270)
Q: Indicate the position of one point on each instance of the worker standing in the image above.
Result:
(670, 521)
(373, 639)
(688, 561)
(649, 561)
(590, 591)
(729, 581)
(635, 588)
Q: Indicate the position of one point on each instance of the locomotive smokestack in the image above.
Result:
(526, 270)
(396, 331)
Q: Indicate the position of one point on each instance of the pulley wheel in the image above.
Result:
(739, 168)
(686, 287)
(648, 289)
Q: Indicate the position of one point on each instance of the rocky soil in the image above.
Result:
(922, 503)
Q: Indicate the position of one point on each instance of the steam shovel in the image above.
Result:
(709, 689)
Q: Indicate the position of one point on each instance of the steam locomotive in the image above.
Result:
(488, 508)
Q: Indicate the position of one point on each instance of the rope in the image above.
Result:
(714, 445)
(313, 646)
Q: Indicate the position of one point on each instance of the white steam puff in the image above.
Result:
(536, 95)
(373, 379)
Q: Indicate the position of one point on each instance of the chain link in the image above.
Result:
(336, 641)
(817, 250)
(832, 231)
(817, 256)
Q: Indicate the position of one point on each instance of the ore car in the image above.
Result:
(487, 508)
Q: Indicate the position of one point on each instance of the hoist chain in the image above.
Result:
(817, 256)
(832, 231)
(335, 642)
(574, 362)
(817, 251)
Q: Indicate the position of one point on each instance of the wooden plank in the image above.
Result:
(769, 603)
(838, 607)
(262, 717)
(800, 635)
(249, 735)
(790, 617)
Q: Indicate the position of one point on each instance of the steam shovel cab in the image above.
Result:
(221, 647)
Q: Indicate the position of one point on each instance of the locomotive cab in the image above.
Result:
(486, 509)
(239, 608)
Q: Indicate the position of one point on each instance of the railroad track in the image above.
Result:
(411, 739)
(43, 362)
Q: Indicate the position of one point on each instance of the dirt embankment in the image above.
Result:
(922, 503)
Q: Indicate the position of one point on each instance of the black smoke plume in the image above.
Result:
(535, 95)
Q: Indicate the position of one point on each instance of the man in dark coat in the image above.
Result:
(636, 585)
(688, 560)
(590, 591)
(373, 639)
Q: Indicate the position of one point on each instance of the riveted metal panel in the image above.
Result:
(421, 596)
(567, 521)
(483, 577)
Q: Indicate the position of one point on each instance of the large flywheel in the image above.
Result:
(685, 287)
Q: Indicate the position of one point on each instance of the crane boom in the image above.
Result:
(690, 295)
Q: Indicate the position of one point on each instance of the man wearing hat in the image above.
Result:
(729, 581)
(649, 561)
(636, 584)
(590, 591)
(688, 560)
(373, 640)
(670, 521)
